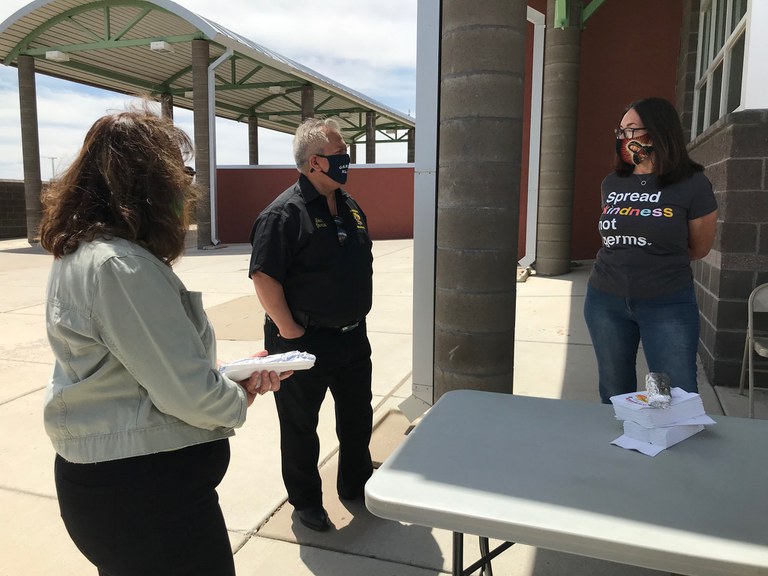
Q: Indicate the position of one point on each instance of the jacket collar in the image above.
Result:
(309, 193)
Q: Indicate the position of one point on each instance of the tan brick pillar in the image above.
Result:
(478, 193)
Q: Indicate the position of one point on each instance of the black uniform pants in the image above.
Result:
(343, 366)
(155, 515)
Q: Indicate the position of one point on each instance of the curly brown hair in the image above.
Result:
(127, 181)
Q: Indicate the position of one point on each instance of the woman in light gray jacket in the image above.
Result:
(137, 412)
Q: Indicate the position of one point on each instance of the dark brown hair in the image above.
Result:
(127, 181)
(671, 160)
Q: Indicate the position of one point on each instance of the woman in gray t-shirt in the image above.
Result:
(658, 214)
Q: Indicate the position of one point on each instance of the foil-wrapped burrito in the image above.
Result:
(657, 387)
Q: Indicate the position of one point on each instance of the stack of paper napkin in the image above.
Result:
(243, 368)
(650, 430)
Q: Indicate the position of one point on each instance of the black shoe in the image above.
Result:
(315, 518)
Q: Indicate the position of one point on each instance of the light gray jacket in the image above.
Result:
(135, 358)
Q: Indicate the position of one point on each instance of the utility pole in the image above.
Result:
(53, 166)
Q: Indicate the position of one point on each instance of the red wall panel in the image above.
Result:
(385, 194)
(626, 55)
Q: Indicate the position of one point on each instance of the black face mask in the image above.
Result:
(337, 167)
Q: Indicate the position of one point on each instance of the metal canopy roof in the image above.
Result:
(108, 42)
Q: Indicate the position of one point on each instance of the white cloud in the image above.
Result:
(378, 31)
(64, 114)
(369, 47)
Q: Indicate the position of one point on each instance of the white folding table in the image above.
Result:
(542, 472)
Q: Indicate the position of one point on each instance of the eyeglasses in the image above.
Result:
(189, 171)
(341, 233)
(626, 132)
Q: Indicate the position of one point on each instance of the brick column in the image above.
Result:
(482, 62)
(307, 102)
(30, 144)
(370, 137)
(166, 105)
(253, 140)
(200, 56)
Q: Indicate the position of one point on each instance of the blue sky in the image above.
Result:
(368, 46)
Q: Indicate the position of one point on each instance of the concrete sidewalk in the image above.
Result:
(554, 358)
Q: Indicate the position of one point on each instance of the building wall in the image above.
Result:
(623, 58)
(384, 193)
(734, 152)
(686, 67)
(13, 219)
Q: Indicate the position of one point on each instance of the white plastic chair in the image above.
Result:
(754, 344)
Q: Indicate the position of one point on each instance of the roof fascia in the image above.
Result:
(96, 6)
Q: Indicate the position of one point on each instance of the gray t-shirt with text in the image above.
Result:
(644, 232)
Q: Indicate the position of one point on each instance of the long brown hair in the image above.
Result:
(127, 181)
(662, 122)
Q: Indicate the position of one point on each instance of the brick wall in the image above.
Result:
(735, 154)
(13, 220)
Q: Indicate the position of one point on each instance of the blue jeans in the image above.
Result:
(668, 327)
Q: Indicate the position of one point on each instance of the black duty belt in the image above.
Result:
(306, 322)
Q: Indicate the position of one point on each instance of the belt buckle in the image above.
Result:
(349, 327)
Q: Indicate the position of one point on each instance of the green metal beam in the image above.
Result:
(283, 113)
(337, 111)
(127, 28)
(291, 100)
(104, 5)
(250, 74)
(590, 9)
(233, 69)
(356, 129)
(362, 140)
(84, 29)
(257, 85)
(170, 80)
(251, 111)
(319, 107)
(343, 127)
(561, 14)
(239, 110)
(131, 80)
(107, 44)
(107, 24)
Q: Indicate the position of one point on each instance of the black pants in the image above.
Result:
(343, 366)
(149, 515)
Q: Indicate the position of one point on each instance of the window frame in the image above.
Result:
(716, 62)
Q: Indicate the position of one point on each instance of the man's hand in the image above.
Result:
(272, 299)
(292, 330)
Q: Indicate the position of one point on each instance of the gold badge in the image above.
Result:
(358, 219)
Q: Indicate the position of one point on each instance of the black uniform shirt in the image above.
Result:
(296, 241)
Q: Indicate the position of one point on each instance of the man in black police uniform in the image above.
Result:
(312, 268)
